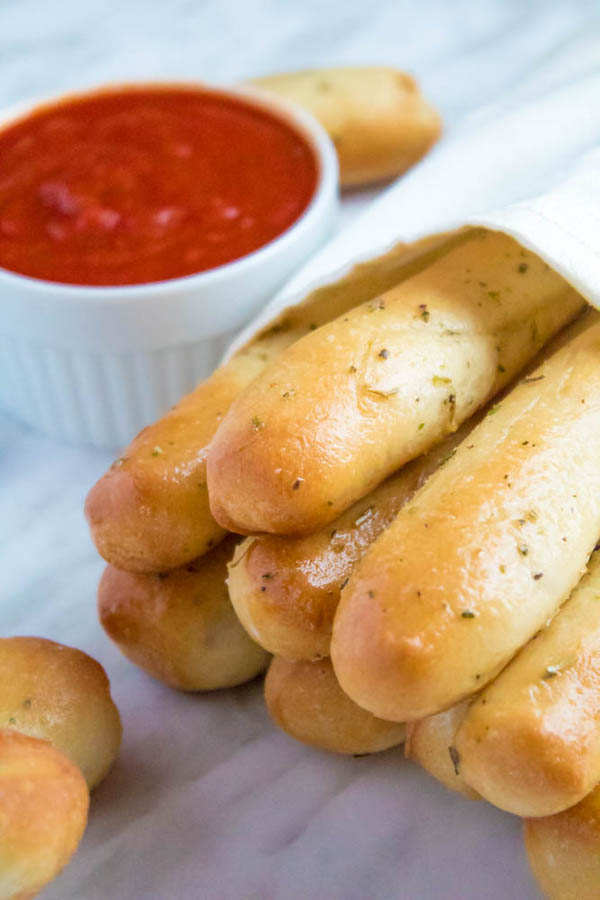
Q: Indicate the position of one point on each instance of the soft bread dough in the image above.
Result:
(59, 694)
(180, 627)
(305, 700)
(43, 813)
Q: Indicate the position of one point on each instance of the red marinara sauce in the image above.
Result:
(143, 184)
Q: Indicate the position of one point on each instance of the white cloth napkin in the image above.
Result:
(528, 165)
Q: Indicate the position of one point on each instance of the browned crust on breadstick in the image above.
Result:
(485, 552)
(431, 742)
(180, 627)
(305, 700)
(378, 119)
(62, 695)
(564, 851)
(285, 591)
(150, 511)
(344, 407)
(43, 813)
(530, 743)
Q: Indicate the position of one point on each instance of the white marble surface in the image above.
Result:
(207, 800)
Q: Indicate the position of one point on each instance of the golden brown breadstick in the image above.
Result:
(43, 812)
(564, 851)
(305, 700)
(485, 552)
(431, 743)
(376, 116)
(530, 743)
(285, 590)
(342, 408)
(61, 695)
(150, 512)
(180, 627)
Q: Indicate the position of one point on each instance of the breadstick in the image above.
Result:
(530, 743)
(431, 743)
(61, 695)
(564, 851)
(150, 511)
(305, 700)
(342, 408)
(43, 813)
(485, 552)
(376, 116)
(180, 627)
(285, 590)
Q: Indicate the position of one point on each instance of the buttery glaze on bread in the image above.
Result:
(180, 627)
(564, 851)
(485, 552)
(43, 813)
(431, 743)
(61, 695)
(305, 700)
(150, 511)
(376, 116)
(530, 743)
(344, 407)
(285, 590)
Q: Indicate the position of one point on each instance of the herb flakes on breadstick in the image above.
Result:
(285, 590)
(518, 500)
(348, 404)
(150, 511)
(530, 743)
(431, 742)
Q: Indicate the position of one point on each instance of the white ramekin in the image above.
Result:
(93, 365)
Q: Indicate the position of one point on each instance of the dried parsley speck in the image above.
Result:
(522, 268)
(467, 614)
(257, 423)
(538, 575)
(157, 451)
(455, 757)
(297, 483)
(383, 354)
(421, 426)
(523, 549)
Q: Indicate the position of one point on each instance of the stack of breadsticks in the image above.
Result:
(418, 558)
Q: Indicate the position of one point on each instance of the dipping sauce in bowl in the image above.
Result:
(143, 184)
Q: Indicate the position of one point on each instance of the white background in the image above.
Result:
(207, 800)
